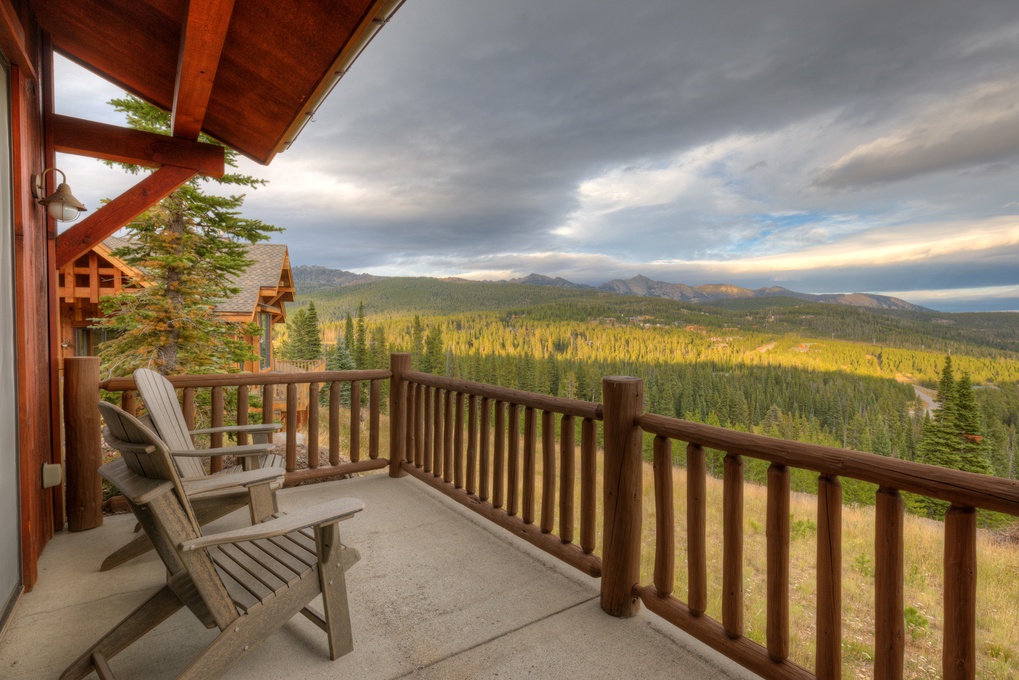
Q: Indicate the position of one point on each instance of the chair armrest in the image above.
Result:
(235, 451)
(196, 485)
(226, 429)
(323, 513)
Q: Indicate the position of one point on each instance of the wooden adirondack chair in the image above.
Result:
(165, 416)
(247, 582)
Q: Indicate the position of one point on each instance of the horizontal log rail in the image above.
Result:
(964, 491)
(480, 445)
(294, 411)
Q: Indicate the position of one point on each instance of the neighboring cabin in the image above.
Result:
(264, 288)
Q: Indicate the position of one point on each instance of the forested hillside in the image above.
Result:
(834, 375)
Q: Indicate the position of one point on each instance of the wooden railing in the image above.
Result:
(292, 384)
(466, 440)
(963, 490)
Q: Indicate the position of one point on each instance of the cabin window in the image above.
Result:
(87, 340)
(265, 351)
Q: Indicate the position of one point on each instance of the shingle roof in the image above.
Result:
(265, 270)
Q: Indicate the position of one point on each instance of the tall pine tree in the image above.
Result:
(190, 246)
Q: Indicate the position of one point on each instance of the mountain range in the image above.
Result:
(311, 277)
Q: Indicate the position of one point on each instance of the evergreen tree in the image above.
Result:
(294, 343)
(973, 453)
(434, 360)
(417, 343)
(312, 334)
(360, 339)
(190, 246)
(338, 359)
(348, 334)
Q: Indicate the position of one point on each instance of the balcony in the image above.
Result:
(446, 590)
(439, 593)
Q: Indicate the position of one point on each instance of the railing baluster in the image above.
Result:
(513, 460)
(732, 542)
(216, 440)
(470, 483)
(188, 406)
(291, 421)
(355, 420)
(429, 439)
(777, 533)
(458, 442)
(447, 438)
(128, 402)
(548, 472)
(374, 417)
(313, 389)
(242, 414)
(530, 446)
(665, 522)
(828, 663)
(268, 408)
(409, 443)
(568, 478)
(438, 420)
(335, 396)
(499, 456)
(419, 425)
(889, 624)
(484, 449)
(588, 484)
(959, 656)
(696, 529)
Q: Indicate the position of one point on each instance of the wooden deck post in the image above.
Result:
(623, 404)
(398, 363)
(83, 451)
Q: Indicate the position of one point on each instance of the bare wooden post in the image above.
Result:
(828, 663)
(374, 417)
(410, 400)
(696, 528)
(83, 451)
(216, 440)
(513, 459)
(398, 363)
(484, 448)
(438, 423)
(548, 471)
(188, 406)
(313, 390)
(732, 545)
(588, 473)
(470, 483)
(355, 421)
(419, 425)
(959, 657)
(889, 625)
(665, 529)
(568, 478)
(291, 419)
(128, 399)
(268, 407)
(334, 423)
(458, 442)
(242, 413)
(499, 456)
(447, 437)
(429, 438)
(778, 562)
(623, 399)
(530, 444)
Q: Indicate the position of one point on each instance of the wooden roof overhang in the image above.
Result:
(250, 74)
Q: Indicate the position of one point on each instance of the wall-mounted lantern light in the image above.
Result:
(61, 204)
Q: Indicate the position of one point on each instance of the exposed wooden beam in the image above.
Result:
(124, 145)
(12, 39)
(92, 230)
(201, 45)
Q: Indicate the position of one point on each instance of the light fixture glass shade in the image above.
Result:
(62, 205)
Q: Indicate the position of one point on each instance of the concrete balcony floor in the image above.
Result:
(438, 593)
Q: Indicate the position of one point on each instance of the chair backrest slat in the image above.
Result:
(165, 412)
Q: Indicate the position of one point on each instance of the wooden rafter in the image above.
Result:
(92, 230)
(123, 145)
(201, 45)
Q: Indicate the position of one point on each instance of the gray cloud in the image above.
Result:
(588, 138)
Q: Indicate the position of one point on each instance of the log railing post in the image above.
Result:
(960, 649)
(623, 399)
(83, 451)
(398, 363)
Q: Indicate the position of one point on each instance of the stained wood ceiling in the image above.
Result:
(277, 58)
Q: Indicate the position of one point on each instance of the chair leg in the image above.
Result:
(134, 548)
(150, 614)
(334, 590)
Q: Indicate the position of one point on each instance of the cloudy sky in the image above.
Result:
(861, 145)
